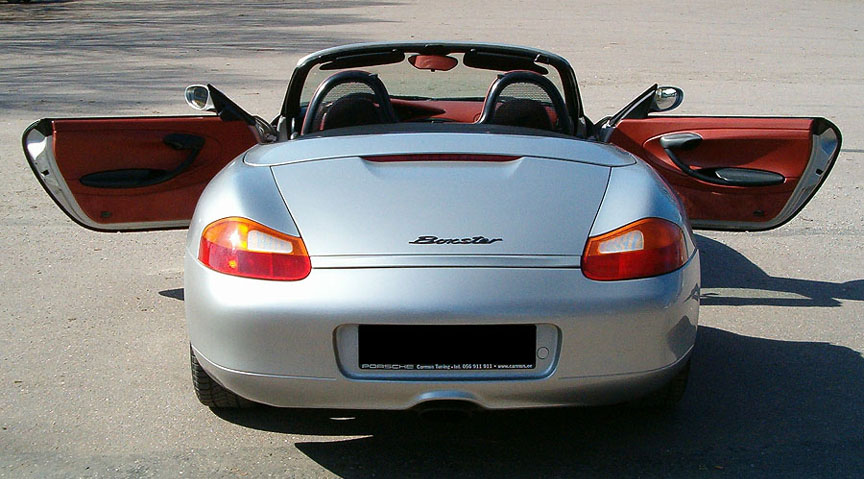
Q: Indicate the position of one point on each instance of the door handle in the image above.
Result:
(139, 177)
(726, 176)
(680, 141)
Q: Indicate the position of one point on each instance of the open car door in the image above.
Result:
(132, 174)
(735, 173)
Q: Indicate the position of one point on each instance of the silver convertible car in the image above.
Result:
(435, 223)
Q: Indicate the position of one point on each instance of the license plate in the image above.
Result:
(447, 348)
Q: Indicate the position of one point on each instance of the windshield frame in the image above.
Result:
(291, 107)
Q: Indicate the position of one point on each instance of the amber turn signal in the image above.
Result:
(648, 247)
(242, 247)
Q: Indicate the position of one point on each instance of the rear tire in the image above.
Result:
(209, 392)
(668, 396)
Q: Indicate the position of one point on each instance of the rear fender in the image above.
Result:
(240, 190)
(635, 192)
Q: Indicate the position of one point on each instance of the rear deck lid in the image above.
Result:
(443, 210)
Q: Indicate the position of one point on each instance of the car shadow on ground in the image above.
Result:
(736, 278)
(754, 408)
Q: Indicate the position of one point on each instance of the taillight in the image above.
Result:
(242, 247)
(648, 247)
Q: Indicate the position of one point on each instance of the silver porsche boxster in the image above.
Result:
(435, 223)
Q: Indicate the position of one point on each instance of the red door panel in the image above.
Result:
(781, 146)
(133, 173)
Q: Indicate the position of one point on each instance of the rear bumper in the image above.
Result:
(342, 393)
(278, 343)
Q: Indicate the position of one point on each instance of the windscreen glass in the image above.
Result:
(404, 80)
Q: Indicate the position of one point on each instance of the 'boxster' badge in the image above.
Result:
(437, 240)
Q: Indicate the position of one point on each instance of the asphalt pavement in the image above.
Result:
(94, 374)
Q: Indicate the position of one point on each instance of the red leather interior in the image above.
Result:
(780, 145)
(85, 146)
(461, 111)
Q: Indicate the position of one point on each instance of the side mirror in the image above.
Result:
(666, 98)
(198, 97)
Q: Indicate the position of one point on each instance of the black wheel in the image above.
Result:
(209, 392)
(669, 395)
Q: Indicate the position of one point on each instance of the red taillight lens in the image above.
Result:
(242, 247)
(647, 247)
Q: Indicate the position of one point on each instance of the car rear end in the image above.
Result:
(389, 270)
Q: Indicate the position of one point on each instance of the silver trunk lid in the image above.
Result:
(530, 211)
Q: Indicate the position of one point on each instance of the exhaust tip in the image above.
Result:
(446, 411)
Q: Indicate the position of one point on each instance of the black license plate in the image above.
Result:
(447, 348)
